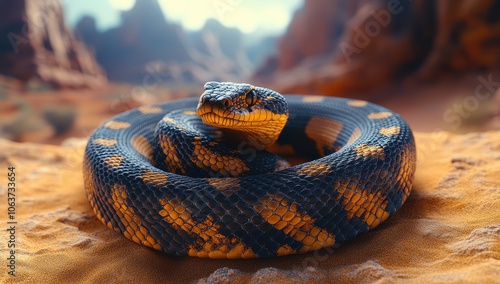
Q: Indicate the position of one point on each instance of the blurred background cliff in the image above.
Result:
(67, 66)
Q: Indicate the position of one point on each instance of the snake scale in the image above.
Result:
(163, 178)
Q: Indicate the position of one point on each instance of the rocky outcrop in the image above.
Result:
(143, 38)
(220, 48)
(36, 43)
(148, 48)
(351, 46)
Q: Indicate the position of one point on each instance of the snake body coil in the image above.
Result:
(361, 169)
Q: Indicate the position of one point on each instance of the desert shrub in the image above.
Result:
(24, 121)
(38, 86)
(61, 118)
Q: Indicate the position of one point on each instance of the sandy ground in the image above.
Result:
(447, 232)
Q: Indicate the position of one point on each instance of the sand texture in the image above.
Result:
(447, 232)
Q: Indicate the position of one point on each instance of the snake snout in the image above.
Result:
(209, 103)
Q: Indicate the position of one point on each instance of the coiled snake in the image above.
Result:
(181, 190)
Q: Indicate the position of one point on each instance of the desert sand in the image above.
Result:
(447, 232)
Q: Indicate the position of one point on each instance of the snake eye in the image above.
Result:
(251, 98)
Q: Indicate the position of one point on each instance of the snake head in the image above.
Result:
(256, 114)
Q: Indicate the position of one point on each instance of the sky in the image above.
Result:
(268, 16)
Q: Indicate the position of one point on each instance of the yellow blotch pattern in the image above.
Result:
(134, 229)
(357, 103)
(313, 99)
(314, 169)
(150, 109)
(105, 142)
(142, 145)
(156, 178)
(205, 158)
(210, 243)
(379, 115)
(407, 162)
(225, 185)
(357, 201)
(113, 161)
(172, 121)
(370, 151)
(324, 132)
(169, 120)
(172, 160)
(285, 216)
(189, 112)
(117, 125)
(393, 130)
(285, 250)
(354, 136)
(90, 189)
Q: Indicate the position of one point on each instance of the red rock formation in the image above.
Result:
(36, 43)
(356, 45)
(146, 45)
